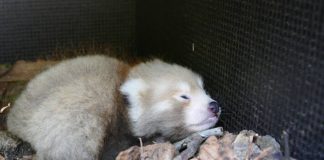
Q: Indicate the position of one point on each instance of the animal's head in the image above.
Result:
(168, 99)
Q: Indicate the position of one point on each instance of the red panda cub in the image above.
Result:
(92, 107)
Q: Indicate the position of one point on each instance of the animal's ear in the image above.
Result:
(133, 87)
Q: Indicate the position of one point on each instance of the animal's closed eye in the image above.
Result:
(184, 97)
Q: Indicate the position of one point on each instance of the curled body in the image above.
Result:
(76, 110)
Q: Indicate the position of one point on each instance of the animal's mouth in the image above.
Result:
(210, 120)
(206, 123)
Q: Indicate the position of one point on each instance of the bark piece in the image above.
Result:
(243, 146)
(214, 149)
(159, 151)
(192, 143)
(133, 153)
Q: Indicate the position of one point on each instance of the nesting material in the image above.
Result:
(247, 145)
(11, 147)
(212, 144)
(163, 151)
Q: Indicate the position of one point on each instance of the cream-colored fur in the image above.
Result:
(157, 107)
(68, 111)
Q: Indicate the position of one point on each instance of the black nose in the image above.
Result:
(213, 107)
